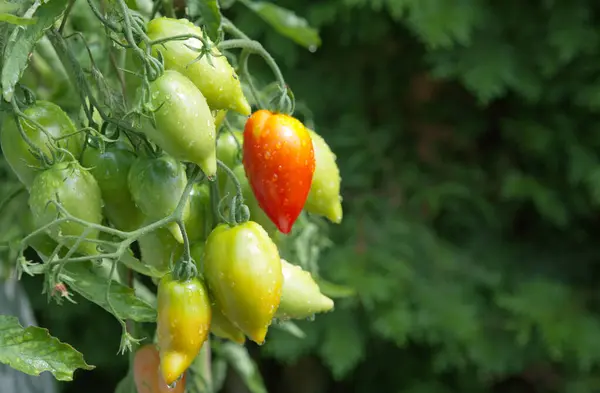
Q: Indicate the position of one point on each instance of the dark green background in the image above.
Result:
(467, 137)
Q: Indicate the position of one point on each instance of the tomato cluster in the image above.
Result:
(276, 168)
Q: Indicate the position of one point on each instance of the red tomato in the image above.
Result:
(279, 161)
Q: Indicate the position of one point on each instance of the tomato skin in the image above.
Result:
(185, 127)
(42, 243)
(156, 185)
(110, 169)
(184, 316)
(301, 296)
(146, 372)
(78, 193)
(243, 271)
(220, 326)
(279, 161)
(55, 121)
(256, 213)
(199, 221)
(229, 146)
(217, 82)
(158, 248)
(324, 197)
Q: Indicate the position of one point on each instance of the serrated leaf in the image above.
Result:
(93, 288)
(22, 42)
(287, 23)
(211, 15)
(238, 357)
(342, 349)
(32, 350)
(17, 20)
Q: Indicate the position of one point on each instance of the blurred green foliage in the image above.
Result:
(466, 137)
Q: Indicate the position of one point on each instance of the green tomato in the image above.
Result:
(256, 213)
(77, 192)
(301, 296)
(110, 168)
(199, 221)
(55, 122)
(229, 152)
(159, 248)
(41, 243)
(185, 127)
(220, 326)
(243, 271)
(215, 78)
(184, 317)
(324, 197)
(156, 186)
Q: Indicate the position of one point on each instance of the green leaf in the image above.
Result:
(127, 384)
(237, 356)
(17, 20)
(210, 13)
(22, 42)
(32, 350)
(93, 287)
(334, 290)
(287, 23)
(290, 327)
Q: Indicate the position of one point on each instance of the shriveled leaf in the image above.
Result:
(17, 20)
(237, 356)
(32, 350)
(93, 288)
(287, 23)
(22, 41)
(210, 13)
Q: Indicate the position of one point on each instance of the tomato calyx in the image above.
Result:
(239, 212)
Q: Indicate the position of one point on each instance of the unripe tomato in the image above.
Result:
(199, 221)
(324, 197)
(77, 192)
(256, 213)
(158, 248)
(243, 270)
(218, 81)
(42, 243)
(219, 116)
(220, 326)
(279, 161)
(146, 373)
(184, 316)
(110, 169)
(301, 296)
(229, 148)
(156, 185)
(55, 121)
(185, 128)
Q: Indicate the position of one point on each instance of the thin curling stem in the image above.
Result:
(243, 70)
(256, 47)
(109, 24)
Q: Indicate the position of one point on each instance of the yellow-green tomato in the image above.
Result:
(77, 192)
(55, 122)
(220, 326)
(183, 323)
(301, 296)
(215, 78)
(242, 268)
(324, 197)
(185, 127)
(159, 248)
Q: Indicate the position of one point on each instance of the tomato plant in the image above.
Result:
(122, 204)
